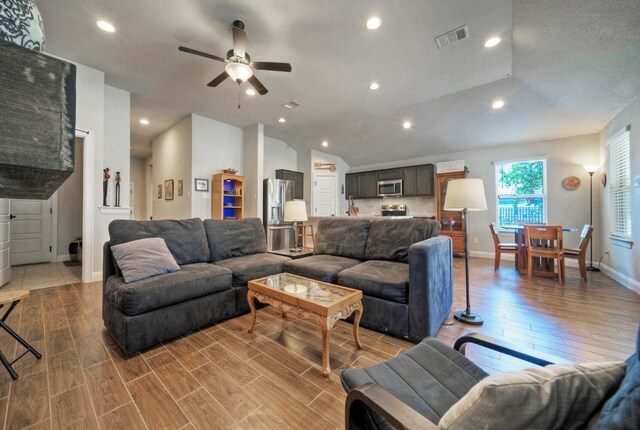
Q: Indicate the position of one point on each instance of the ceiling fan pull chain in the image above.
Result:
(238, 97)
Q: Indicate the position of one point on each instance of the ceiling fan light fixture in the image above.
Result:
(239, 72)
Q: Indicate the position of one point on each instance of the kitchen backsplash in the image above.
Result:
(416, 206)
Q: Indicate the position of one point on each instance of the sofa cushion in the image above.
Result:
(343, 237)
(414, 378)
(622, 410)
(144, 258)
(557, 396)
(320, 267)
(235, 238)
(254, 266)
(185, 238)
(387, 280)
(192, 281)
(390, 239)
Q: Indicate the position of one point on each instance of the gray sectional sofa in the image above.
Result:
(403, 268)
(216, 259)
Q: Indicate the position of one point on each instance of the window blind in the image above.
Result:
(620, 183)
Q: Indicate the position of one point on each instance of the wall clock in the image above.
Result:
(603, 180)
(571, 183)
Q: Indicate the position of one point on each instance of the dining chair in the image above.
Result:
(507, 248)
(580, 253)
(544, 241)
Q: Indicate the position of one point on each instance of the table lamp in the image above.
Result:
(295, 210)
(466, 195)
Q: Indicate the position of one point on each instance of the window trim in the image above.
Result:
(544, 194)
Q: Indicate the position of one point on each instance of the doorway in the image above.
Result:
(31, 232)
(324, 195)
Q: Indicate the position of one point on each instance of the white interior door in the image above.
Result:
(324, 195)
(5, 241)
(31, 231)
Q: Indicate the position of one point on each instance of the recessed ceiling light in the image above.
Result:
(373, 23)
(497, 104)
(282, 119)
(490, 43)
(325, 143)
(374, 86)
(144, 121)
(106, 26)
(406, 124)
(251, 92)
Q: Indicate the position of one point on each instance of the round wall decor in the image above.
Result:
(21, 23)
(571, 183)
(603, 179)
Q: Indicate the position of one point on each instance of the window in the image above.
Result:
(620, 183)
(521, 192)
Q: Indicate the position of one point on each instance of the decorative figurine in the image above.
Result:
(105, 185)
(117, 189)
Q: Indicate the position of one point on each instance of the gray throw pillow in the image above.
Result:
(558, 396)
(143, 258)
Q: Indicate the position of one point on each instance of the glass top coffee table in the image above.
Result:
(306, 298)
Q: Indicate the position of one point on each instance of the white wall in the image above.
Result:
(253, 162)
(215, 146)
(149, 187)
(138, 205)
(622, 263)
(278, 155)
(70, 205)
(341, 169)
(117, 132)
(172, 160)
(565, 157)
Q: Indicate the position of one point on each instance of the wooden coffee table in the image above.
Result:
(306, 298)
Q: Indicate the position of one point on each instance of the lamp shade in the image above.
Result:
(591, 168)
(466, 194)
(239, 72)
(295, 210)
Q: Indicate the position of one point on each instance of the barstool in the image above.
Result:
(14, 298)
(304, 231)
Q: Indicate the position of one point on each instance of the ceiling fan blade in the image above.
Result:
(255, 83)
(276, 67)
(239, 41)
(218, 79)
(200, 53)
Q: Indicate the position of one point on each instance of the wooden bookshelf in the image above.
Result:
(451, 222)
(228, 196)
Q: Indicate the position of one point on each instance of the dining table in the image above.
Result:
(541, 266)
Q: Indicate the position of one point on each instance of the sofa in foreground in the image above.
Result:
(403, 268)
(215, 259)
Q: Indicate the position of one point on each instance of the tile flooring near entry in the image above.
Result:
(223, 377)
(35, 276)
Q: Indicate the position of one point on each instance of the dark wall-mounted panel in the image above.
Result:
(37, 122)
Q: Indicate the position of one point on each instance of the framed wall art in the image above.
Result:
(180, 188)
(202, 184)
(159, 191)
(168, 189)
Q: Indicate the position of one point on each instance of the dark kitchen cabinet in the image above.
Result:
(368, 185)
(352, 181)
(418, 181)
(298, 181)
(386, 175)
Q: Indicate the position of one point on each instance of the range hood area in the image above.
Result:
(37, 122)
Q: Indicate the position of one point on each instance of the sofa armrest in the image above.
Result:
(376, 398)
(430, 286)
(108, 266)
(535, 357)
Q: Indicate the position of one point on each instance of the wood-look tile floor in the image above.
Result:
(222, 377)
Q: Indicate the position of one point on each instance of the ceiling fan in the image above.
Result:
(239, 65)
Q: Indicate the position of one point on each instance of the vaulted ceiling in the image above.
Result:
(564, 68)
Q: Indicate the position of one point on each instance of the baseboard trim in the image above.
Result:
(96, 276)
(625, 280)
(569, 262)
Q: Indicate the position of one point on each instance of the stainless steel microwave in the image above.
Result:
(392, 188)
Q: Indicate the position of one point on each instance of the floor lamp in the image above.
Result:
(296, 211)
(591, 169)
(466, 195)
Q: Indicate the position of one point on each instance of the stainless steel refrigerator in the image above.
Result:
(279, 233)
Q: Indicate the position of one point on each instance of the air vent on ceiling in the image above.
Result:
(452, 36)
(291, 105)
